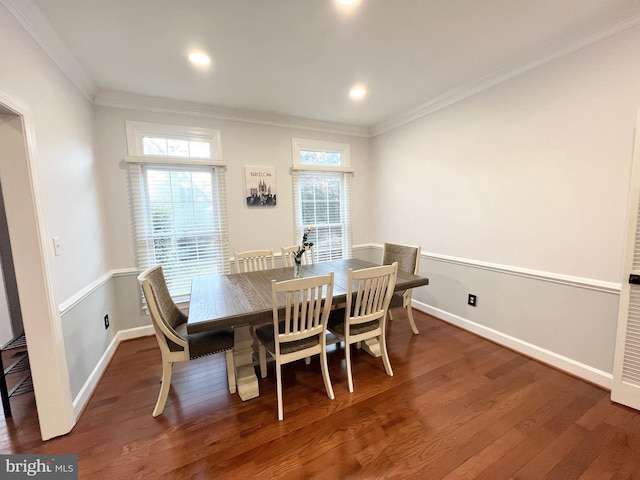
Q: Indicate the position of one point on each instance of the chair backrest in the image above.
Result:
(407, 256)
(369, 293)
(287, 255)
(254, 260)
(165, 314)
(307, 303)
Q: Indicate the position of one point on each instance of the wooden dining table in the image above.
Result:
(240, 300)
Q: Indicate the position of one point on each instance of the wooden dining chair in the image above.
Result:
(254, 260)
(308, 257)
(369, 292)
(408, 258)
(176, 345)
(300, 315)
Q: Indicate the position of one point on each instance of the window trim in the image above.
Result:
(137, 130)
(299, 144)
(344, 171)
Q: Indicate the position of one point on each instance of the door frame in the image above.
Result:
(623, 391)
(33, 261)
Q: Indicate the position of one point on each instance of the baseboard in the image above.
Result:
(580, 370)
(81, 400)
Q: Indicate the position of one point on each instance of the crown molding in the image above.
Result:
(115, 99)
(484, 83)
(31, 19)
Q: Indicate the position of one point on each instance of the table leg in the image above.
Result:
(246, 378)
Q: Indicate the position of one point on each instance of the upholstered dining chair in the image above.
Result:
(308, 257)
(369, 292)
(254, 260)
(176, 345)
(408, 258)
(299, 329)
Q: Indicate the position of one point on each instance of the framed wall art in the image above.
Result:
(260, 186)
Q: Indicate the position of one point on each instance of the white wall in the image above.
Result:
(59, 166)
(243, 144)
(530, 175)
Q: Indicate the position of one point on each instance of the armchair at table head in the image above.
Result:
(254, 260)
(176, 345)
(408, 258)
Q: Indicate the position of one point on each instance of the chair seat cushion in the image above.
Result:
(206, 343)
(266, 336)
(336, 324)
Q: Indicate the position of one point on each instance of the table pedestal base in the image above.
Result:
(372, 347)
(246, 378)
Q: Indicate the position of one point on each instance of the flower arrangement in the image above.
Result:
(306, 244)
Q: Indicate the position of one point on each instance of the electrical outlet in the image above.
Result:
(472, 300)
(106, 321)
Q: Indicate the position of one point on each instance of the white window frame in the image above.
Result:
(138, 161)
(344, 171)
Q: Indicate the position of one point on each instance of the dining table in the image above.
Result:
(242, 300)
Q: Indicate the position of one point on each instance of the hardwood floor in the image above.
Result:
(458, 407)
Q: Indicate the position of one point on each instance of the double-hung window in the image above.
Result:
(178, 202)
(322, 185)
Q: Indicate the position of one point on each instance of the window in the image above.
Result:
(322, 184)
(178, 200)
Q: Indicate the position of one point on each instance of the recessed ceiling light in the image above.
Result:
(199, 58)
(358, 92)
(348, 2)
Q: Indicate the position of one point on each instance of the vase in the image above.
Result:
(297, 268)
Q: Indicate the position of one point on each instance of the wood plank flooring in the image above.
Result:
(458, 407)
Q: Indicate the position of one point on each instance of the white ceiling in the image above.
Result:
(301, 57)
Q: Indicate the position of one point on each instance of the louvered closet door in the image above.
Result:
(626, 370)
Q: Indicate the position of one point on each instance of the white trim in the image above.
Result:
(484, 83)
(590, 374)
(135, 131)
(298, 144)
(54, 405)
(174, 161)
(580, 282)
(29, 16)
(83, 397)
(569, 280)
(318, 168)
(79, 296)
(132, 101)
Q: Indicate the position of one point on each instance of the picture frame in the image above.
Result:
(260, 186)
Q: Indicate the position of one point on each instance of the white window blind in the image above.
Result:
(322, 192)
(178, 202)
(179, 221)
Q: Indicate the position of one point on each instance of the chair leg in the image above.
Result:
(347, 356)
(389, 314)
(385, 355)
(167, 368)
(231, 371)
(325, 374)
(279, 390)
(262, 355)
(411, 321)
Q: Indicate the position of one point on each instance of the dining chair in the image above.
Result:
(300, 315)
(408, 258)
(176, 345)
(369, 292)
(308, 257)
(254, 260)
